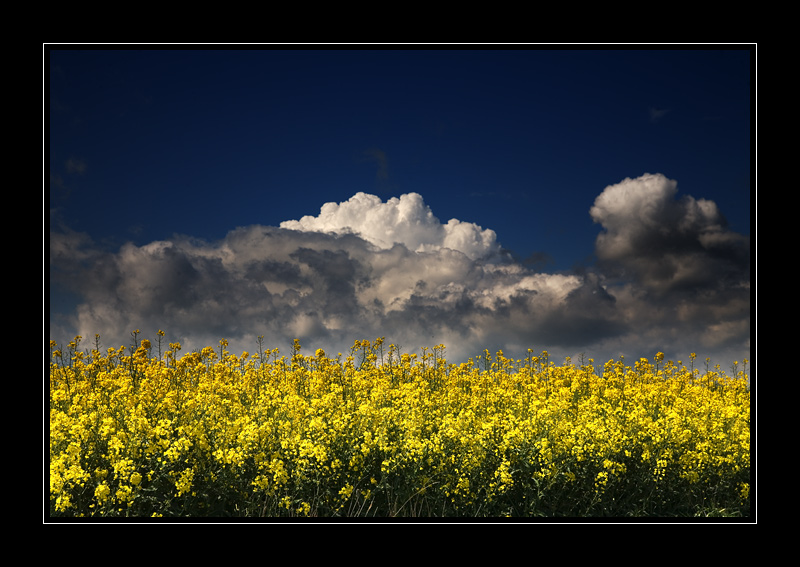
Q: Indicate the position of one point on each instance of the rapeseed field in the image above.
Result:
(143, 431)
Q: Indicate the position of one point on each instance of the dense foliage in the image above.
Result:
(380, 433)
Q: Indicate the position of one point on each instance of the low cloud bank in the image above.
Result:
(670, 277)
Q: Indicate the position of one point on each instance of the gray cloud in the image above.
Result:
(367, 268)
(667, 244)
(680, 277)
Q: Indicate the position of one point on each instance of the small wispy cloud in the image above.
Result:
(74, 165)
(657, 114)
(381, 161)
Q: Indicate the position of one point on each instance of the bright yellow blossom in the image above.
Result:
(385, 432)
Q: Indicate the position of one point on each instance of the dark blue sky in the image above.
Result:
(148, 143)
(520, 141)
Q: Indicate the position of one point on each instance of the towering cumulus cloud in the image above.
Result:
(680, 273)
(364, 268)
(406, 220)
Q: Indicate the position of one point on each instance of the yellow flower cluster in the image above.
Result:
(380, 432)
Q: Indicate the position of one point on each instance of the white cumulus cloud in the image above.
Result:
(405, 220)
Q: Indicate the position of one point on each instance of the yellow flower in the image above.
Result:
(744, 490)
(601, 480)
(102, 492)
(63, 503)
(466, 431)
(184, 482)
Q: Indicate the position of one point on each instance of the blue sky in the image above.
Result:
(173, 172)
